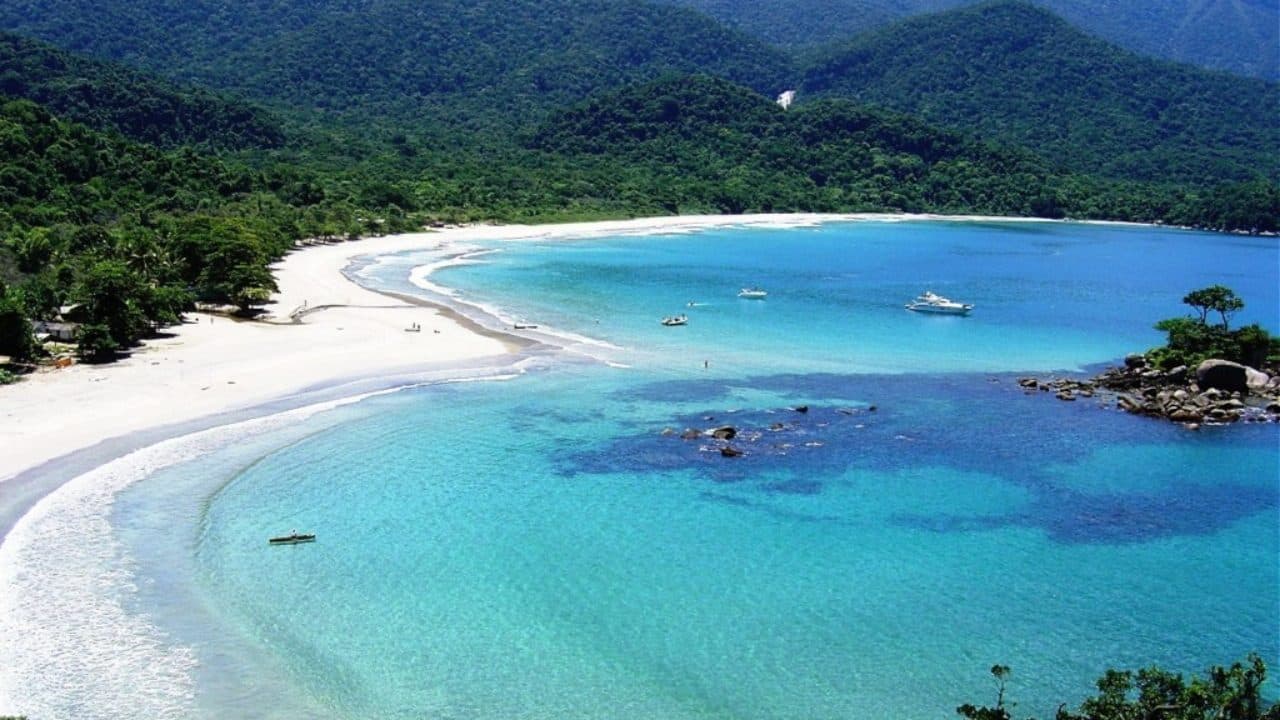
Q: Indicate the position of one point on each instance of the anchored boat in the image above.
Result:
(753, 293)
(929, 302)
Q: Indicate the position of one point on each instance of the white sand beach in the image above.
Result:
(213, 364)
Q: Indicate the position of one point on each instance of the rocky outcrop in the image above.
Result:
(1223, 375)
(1219, 392)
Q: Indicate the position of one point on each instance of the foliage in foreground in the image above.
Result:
(1224, 693)
(1191, 340)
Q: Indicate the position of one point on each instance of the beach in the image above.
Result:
(535, 520)
(215, 364)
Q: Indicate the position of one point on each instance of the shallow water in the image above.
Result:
(541, 548)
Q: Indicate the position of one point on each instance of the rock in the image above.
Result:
(1129, 404)
(1223, 375)
(1135, 361)
(1192, 426)
(730, 451)
(725, 432)
(690, 434)
(1066, 395)
(801, 408)
(871, 408)
(1256, 380)
(1273, 408)
(776, 427)
(668, 432)
(1177, 376)
(1184, 414)
(1232, 404)
(1027, 382)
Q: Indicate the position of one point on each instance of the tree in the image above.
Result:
(1001, 674)
(16, 339)
(1224, 693)
(114, 298)
(1215, 298)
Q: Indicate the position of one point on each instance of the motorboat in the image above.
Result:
(292, 539)
(674, 320)
(753, 293)
(929, 302)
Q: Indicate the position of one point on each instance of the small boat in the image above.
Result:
(753, 293)
(674, 320)
(929, 302)
(291, 539)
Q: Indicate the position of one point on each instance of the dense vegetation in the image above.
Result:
(1191, 340)
(439, 62)
(400, 111)
(136, 234)
(1224, 693)
(1239, 36)
(703, 143)
(113, 98)
(1010, 71)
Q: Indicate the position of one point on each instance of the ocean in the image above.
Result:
(541, 542)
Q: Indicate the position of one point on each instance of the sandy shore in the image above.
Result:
(211, 365)
(320, 328)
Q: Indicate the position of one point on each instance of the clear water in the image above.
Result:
(541, 548)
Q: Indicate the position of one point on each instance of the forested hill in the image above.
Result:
(701, 143)
(462, 60)
(110, 97)
(1011, 71)
(1239, 36)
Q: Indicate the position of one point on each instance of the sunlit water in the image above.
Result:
(549, 547)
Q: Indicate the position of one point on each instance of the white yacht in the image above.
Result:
(932, 303)
(753, 293)
(674, 320)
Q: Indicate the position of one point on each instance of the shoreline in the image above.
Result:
(322, 329)
(330, 340)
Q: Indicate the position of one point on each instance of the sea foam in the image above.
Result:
(71, 649)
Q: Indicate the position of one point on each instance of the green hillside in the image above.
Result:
(472, 62)
(1014, 72)
(704, 144)
(110, 97)
(1239, 36)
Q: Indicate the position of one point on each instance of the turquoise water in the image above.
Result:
(541, 548)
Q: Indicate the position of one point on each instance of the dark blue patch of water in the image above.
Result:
(970, 423)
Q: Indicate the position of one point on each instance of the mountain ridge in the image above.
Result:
(1010, 70)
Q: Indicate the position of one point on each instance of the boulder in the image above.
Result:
(1066, 395)
(730, 451)
(1135, 361)
(1129, 404)
(1223, 375)
(690, 434)
(1177, 376)
(801, 408)
(1256, 380)
(724, 432)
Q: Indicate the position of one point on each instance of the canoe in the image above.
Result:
(293, 539)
